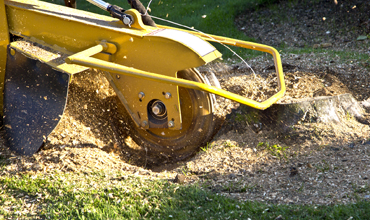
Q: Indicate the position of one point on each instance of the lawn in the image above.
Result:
(212, 17)
(106, 195)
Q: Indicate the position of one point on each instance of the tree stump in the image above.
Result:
(324, 109)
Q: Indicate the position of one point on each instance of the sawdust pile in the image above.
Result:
(87, 124)
(87, 116)
(312, 163)
(301, 83)
(87, 140)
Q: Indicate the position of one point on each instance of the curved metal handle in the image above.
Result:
(253, 46)
(83, 58)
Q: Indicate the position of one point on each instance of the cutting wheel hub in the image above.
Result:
(198, 126)
(158, 110)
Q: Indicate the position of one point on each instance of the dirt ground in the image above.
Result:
(313, 162)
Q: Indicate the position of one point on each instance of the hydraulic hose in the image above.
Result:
(118, 12)
(136, 4)
(101, 4)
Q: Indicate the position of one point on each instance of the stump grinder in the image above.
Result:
(152, 69)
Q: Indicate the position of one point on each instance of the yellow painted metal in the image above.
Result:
(108, 47)
(46, 54)
(76, 31)
(253, 46)
(137, 53)
(263, 48)
(4, 41)
(138, 23)
(83, 58)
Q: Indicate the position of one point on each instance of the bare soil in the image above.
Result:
(312, 163)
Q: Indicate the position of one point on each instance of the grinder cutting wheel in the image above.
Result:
(199, 124)
(168, 104)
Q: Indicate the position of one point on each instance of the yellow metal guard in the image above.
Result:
(128, 54)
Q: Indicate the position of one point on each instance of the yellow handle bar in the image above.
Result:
(84, 58)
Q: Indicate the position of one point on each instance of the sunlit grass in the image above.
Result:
(119, 196)
(209, 16)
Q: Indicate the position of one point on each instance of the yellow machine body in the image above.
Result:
(143, 48)
(4, 41)
(141, 62)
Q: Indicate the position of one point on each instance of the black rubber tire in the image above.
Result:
(198, 128)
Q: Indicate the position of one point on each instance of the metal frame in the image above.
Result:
(84, 58)
(4, 42)
(74, 31)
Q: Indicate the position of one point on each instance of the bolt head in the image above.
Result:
(156, 110)
(141, 95)
(168, 95)
(144, 124)
(12, 51)
(128, 20)
(171, 124)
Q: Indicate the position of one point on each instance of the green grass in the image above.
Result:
(219, 14)
(219, 18)
(345, 56)
(116, 196)
(275, 150)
